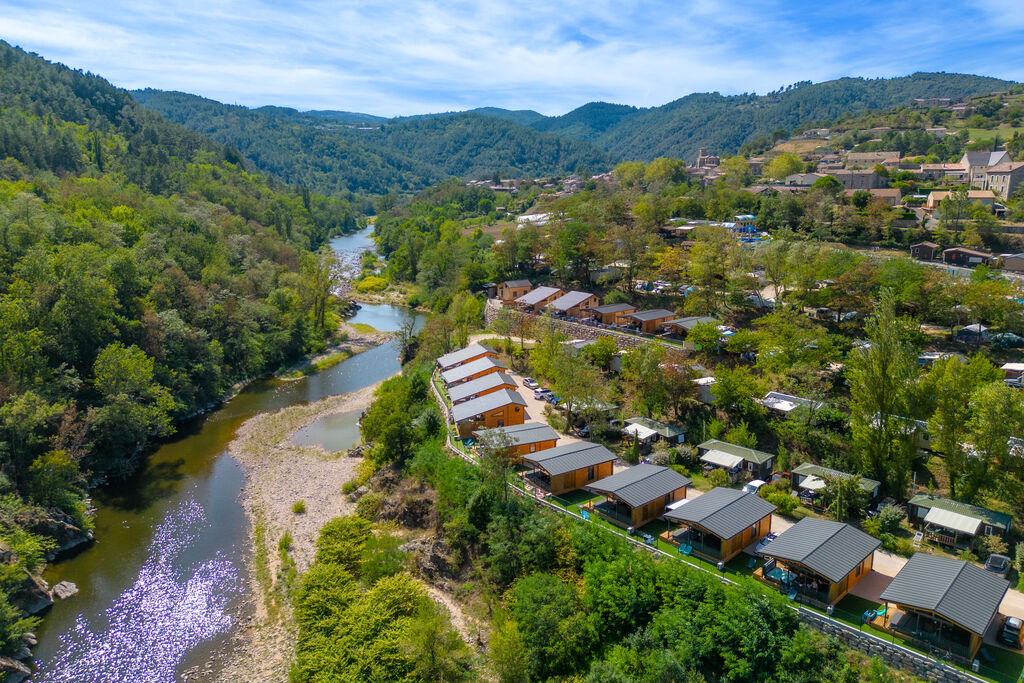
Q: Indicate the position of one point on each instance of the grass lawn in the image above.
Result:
(979, 134)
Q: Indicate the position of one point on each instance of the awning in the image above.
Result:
(640, 432)
(954, 521)
(813, 483)
(721, 459)
(677, 504)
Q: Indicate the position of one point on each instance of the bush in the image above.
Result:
(681, 469)
(889, 519)
(369, 506)
(341, 541)
(300, 507)
(968, 556)
(662, 455)
(785, 503)
(381, 557)
(371, 283)
(718, 477)
(349, 486)
(989, 545)
(632, 454)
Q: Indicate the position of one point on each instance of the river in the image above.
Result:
(163, 585)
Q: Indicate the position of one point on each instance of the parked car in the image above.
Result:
(754, 485)
(583, 432)
(530, 383)
(1011, 632)
(541, 394)
(998, 564)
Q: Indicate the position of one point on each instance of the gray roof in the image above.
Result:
(517, 283)
(990, 517)
(640, 484)
(653, 314)
(690, 322)
(452, 359)
(535, 296)
(486, 403)
(613, 308)
(749, 454)
(812, 470)
(724, 512)
(954, 589)
(461, 372)
(832, 549)
(570, 457)
(526, 433)
(666, 430)
(567, 301)
(475, 386)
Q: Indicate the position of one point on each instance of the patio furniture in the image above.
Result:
(880, 612)
(792, 595)
(585, 515)
(686, 549)
(918, 538)
(752, 563)
(648, 539)
(987, 656)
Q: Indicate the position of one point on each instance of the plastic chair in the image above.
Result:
(792, 595)
(585, 515)
(752, 563)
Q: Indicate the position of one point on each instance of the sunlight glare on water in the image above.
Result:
(160, 617)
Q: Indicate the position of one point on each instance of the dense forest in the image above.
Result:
(332, 154)
(143, 272)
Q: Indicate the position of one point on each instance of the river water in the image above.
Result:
(162, 586)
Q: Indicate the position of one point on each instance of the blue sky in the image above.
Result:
(403, 57)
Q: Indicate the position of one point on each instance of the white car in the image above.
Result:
(530, 383)
(754, 485)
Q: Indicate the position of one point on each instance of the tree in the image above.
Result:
(434, 647)
(466, 312)
(709, 269)
(642, 373)
(321, 275)
(997, 416)
(954, 209)
(601, 352)
(880, 380)
(735, 390)
(705, 337)
(844, 498)
(508, 656)
(735, 171)
(783, 165)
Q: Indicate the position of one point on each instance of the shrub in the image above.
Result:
(718, 477)
(300, 507)
(681, 469)
(687, 455)
(369, 506)
(349, 486)
(1019, 553)
(785, 503)
(967, 555)
(341, 541)
(989, 545)
(381, 557)
(662, 455)
(889, 519)
(285, 544)
(371, 283)
(632, 454)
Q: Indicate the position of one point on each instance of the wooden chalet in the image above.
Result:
(811, 479)
(650, 321)
(942, 603)
(575, 304)
(925, 251)
(502, 408)
(472, 370)
(683, 326)
(526, 438)
(481, 386)
(719, 524)
(466, 355)
(536, 300)
(638, 495)
(510, 290)
(817, 561)
(612, 314)
(569, 467)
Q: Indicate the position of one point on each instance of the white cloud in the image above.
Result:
(408, 57)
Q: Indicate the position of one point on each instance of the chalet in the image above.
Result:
(526, 438)
(481, 386)
(463, 356)
(811, 478)
(735, 459)
(965, 256)
(942, 602)
(612, 314)
(925, 251)
(502, 408)
(569, 467)
(786, 403)
(651, 321)
(574, 304)
(472, 370)
(704, 385)
(1013, 263)
(646, 430)
(955, 524)
(536, 300)
(1004, 179)
(638, 495)
(719, 524)
(510, 290)
(683, 326)
(977, 164)
(818, 560)
(1012, 370)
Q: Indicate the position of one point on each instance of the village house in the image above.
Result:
(462, 356)
(638, 495)
(569, 467)
(735, 459)
(525, 438)
(499, 409)
(803, 179)
(977, 164)
(651, 321)
(612, 314)
(954, 172)
(481, 386)
(965, 256)
(536, 300)
(935, 197)
(705, 160)
(925, 251)
(574, 304)
(890, 196)
(872, 159)
(510, 290)
(955, 524)
(859, 179)
(942, 602)
(817, 560)
(812, 479)
(472, 370)
(1004, 179)
(719, 524)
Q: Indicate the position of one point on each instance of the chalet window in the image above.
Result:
(533, 447)
(668, 498)
(590, 472)
(988, 530)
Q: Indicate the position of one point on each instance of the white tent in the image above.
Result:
(721, 459)
(639, 432)
(953, 521)
(813, 483)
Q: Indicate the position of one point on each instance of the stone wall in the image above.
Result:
(894, 655)
(579, 331)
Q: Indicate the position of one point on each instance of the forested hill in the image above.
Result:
(337, 152)
(143, 272)
(723, 124)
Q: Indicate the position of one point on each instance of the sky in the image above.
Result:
(403, 57)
